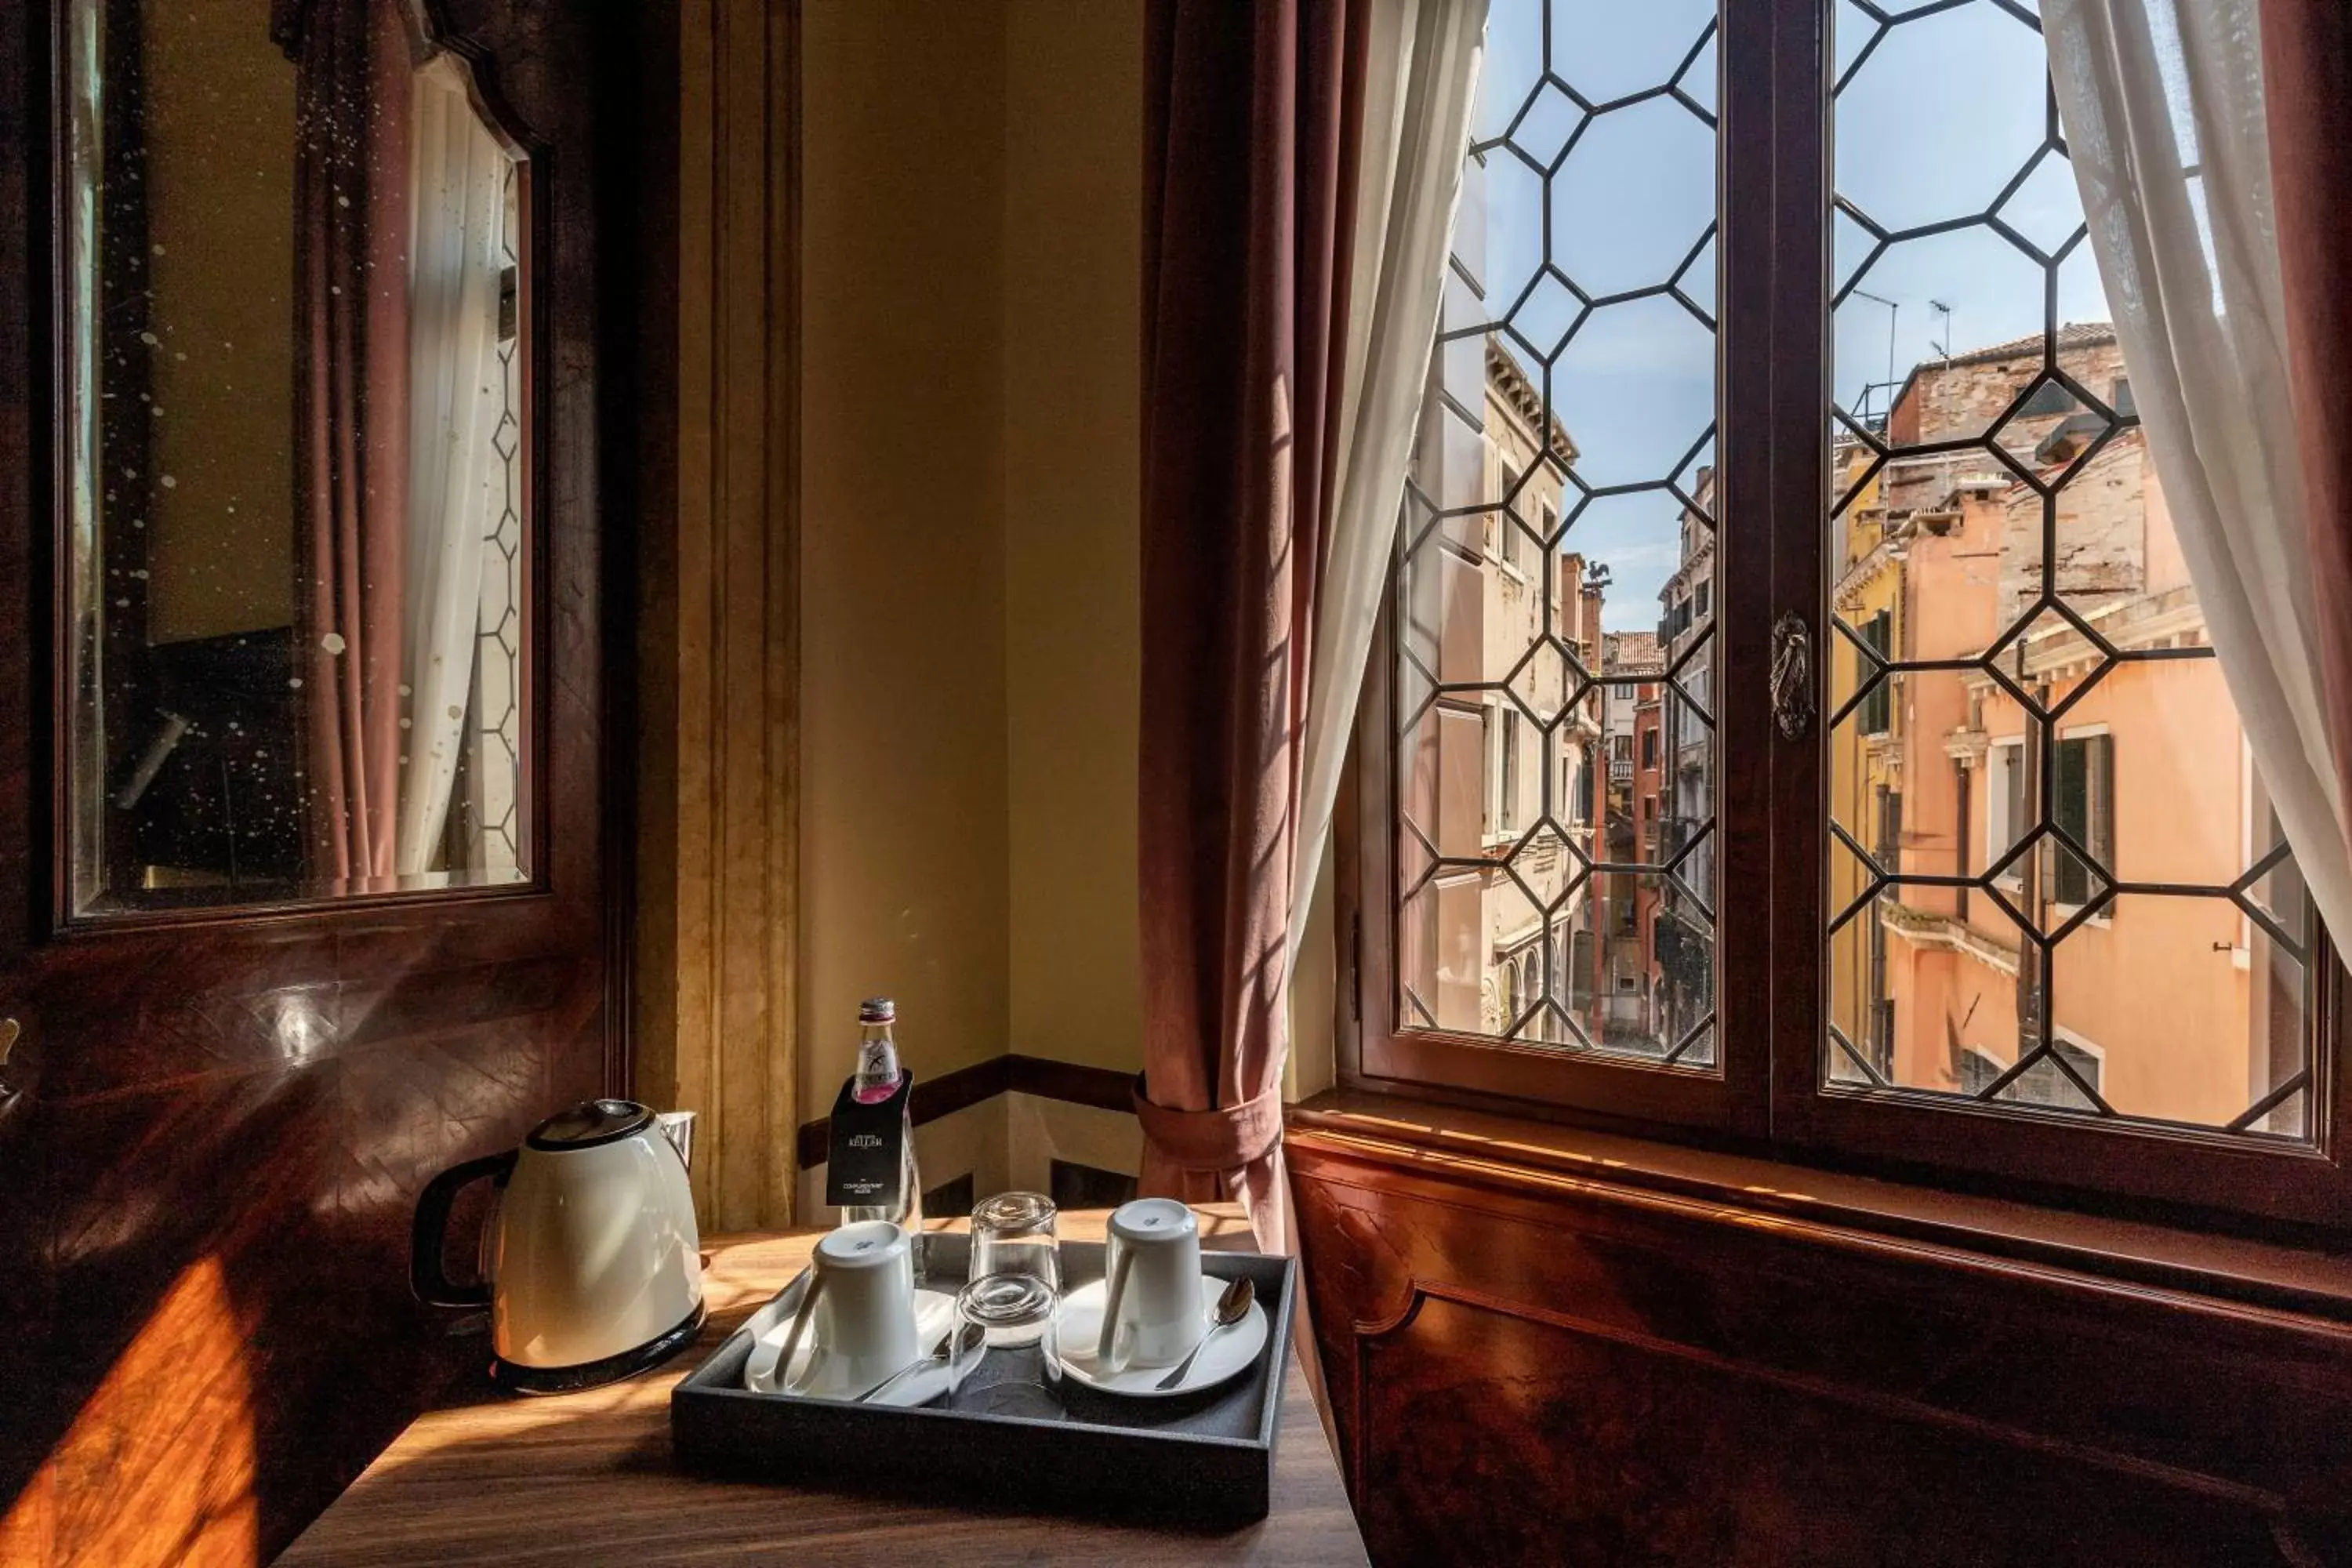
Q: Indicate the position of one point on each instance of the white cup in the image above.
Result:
(864, 1317)
(1151, 1305)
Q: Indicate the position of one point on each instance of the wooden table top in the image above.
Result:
(587, 1477)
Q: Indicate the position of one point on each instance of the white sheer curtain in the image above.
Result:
(1419, 87)
(2162, 105)
(456, 478)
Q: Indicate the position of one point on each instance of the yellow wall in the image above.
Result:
(219, 132)
(970, 640)
(1072, 281)
(903, 879)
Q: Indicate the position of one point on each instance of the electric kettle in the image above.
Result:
(591, 1266)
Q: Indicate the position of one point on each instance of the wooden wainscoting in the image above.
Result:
(1533, 1365)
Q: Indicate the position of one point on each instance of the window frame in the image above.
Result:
(1765, 1091)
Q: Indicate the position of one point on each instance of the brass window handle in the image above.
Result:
(1792, 676)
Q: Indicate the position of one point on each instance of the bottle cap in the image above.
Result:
(878, 1010)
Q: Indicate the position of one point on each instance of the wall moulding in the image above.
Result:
(717, 995)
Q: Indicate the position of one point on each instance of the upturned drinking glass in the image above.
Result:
(1012, 1234)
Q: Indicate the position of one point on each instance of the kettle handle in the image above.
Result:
(426, 1277)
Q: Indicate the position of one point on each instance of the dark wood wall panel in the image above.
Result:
(1542, 1370)
(212, 1132)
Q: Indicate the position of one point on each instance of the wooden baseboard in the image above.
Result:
(1104, 1088)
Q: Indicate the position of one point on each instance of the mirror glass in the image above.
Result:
(295, 459)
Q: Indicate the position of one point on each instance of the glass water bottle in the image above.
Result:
(876, 1079)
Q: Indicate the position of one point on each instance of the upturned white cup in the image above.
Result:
(863, 1319)
(1151, 1304)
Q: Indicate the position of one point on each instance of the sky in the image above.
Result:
(1946, 109)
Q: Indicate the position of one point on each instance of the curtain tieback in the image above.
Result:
(1227, 1139)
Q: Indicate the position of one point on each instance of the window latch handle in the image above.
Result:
(1792, 676)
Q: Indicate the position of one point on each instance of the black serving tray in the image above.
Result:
(1206, 1461)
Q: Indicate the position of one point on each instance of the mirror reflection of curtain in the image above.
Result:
(457, 480)
(352, 101)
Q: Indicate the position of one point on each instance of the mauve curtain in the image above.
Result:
(2307, 78)
(350, 238)
(1249, 113)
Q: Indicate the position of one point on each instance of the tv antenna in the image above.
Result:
(1943, 350)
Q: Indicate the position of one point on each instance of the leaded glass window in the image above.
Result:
(2123, 933)
(1557, 552)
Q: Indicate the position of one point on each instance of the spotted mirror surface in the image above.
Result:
(294, 478)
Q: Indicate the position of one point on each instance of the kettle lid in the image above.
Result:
(589, 1123)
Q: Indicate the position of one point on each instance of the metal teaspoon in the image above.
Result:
(1231, 1307)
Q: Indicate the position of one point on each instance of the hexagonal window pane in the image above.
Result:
(2216, 1039)
(1443, 789)
(1499, 228)
(1637, 972)
(1940, 115)
(1924, 988)
(2180, 819)
(1939, 335)
(1616, 52)
(1635, 388)
(1441, 973)
(1911, 821)
(1634, 197)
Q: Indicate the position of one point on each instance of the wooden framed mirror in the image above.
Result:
(297, 461)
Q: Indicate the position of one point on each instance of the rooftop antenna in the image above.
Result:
(1894, 312)
(1944, 311)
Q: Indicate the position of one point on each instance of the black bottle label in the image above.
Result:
(868, 1160)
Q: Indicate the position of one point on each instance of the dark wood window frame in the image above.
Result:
(1764, 1095)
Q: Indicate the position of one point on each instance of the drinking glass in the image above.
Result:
(996, 1370)
(1012, 1234)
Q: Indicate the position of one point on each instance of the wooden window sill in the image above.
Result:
(1486, 1149)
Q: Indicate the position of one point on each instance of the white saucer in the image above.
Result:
(832, 1379)
(1231, 1353)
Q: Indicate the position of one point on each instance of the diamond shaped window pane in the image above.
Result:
(1544, 684)
(1545, 122)
(2047, 209)
(1543, 316)
(2048, 658)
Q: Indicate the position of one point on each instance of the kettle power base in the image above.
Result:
(516, 1378)
(1202, 1460)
